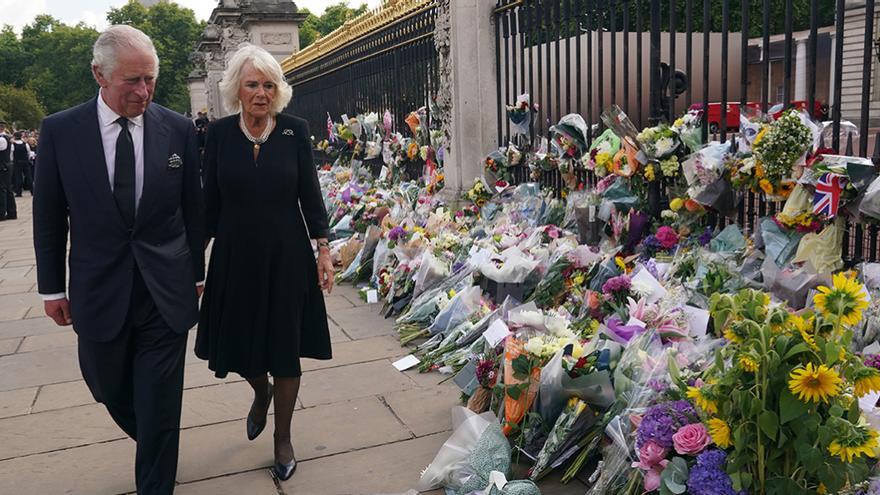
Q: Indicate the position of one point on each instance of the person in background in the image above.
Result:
(8, 209)
(21, 164)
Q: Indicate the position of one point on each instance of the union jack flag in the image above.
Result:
(330, 136)
(826, 199)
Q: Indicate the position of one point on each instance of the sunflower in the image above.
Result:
(866, 380)
(747, 363)
(719, 430)
(846, 299)
(805, 327)
(766, 186)
(731, 335)
(814, 383)
(862, 443)
(699, 396)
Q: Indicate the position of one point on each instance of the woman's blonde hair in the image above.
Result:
(264, 62)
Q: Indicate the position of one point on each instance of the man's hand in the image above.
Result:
(200, 289)
(325, 270)
(58, 310)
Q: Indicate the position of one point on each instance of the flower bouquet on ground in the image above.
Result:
(781, 398)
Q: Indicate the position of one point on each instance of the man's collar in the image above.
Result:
(107, 117)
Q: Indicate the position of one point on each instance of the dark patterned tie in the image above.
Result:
(123, 180)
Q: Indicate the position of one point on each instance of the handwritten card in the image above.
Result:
(406, 363)
(496, 332)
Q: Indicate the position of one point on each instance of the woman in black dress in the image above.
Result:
(263, 308)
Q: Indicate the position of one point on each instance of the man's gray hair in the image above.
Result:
(114, 38)
(264, 62)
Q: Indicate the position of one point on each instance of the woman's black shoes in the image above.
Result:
(284, 471)
(254, 426)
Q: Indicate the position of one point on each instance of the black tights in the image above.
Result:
(286, 390)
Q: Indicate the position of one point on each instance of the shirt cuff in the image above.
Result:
(200, 283)
(53, 297)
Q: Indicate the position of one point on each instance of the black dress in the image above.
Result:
(262, 308)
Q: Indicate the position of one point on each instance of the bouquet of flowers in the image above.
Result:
(776, 151)
(781, 396)
(520, 115)
(602, 153)
(689, 129)
(478, 194)
(659, 142)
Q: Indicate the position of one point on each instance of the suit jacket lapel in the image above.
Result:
(91, 157)
(155, 157)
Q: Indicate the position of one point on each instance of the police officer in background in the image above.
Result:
(7, 197)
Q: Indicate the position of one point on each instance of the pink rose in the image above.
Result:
(650, 455)
(691, 439)
(652, 480)
(667, 237)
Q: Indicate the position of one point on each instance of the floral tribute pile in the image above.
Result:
(621, 332)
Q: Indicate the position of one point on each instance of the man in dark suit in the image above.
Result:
(122, 176)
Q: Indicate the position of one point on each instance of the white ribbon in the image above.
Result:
(496, 478)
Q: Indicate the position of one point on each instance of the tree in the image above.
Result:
(13, 58)
(334, 16)
(174, 31)
(20, 107)
(59, 58)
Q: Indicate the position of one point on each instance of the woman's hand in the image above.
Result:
(325, 270)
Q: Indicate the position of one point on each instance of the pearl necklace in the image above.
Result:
(270, 124)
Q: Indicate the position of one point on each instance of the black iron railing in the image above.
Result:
(393, 68)
(567, 55)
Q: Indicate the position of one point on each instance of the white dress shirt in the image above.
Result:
(109, 134)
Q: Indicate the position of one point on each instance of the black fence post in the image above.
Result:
(656, 91)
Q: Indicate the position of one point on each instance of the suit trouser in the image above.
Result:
(138, 376)
(7, 196)
(21, 177)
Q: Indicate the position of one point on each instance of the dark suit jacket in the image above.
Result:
(72, 190)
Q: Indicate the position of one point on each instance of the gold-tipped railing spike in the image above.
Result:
(353, 29)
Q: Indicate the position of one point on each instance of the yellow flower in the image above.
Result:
(805, 328)
(866, 380)
(676, 204)
(821, 489)
(719, 430)
(747, 363)
(578, 280)
(766, 186)
(847, 451)
(649, 173)
(732, 336)
(846, 299)
(814, 383)
(678, 122)
(706, 404)
(620, 263)
(760, 135)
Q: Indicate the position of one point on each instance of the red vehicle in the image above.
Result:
(820, 112)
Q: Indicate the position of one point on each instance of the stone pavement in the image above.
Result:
(361, 427)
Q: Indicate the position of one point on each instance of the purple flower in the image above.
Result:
(657, 385)
(396, 233)
(708, 477)
(623, 333)
(872, 360)
(652, 244)
(651, 266)
(705, 237)
(660, 422)
(616, 284)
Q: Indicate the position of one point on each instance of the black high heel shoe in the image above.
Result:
(253, 427)
(284, 471)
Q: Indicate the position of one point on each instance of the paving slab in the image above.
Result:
(223, 448)
(197, 374)
(49, 341)
(33, 326)
(25, 286)
(30, 369)
(425, 410)
(63, 395)
(9, 346)
(17, 313)
(359, 351)
(55, 430)
(336, 333)
(104, 468)
(18, 263)
(393, 468)
(216, 404)
(20, 300)
(361, 323)
(334, 302)
(257, 482)
(358, 380)
(16, 402)
(15, 272)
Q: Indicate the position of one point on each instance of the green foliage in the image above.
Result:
(174, 31)
(58, 57)
(20, 107)
(13, 58)
(334, 16)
